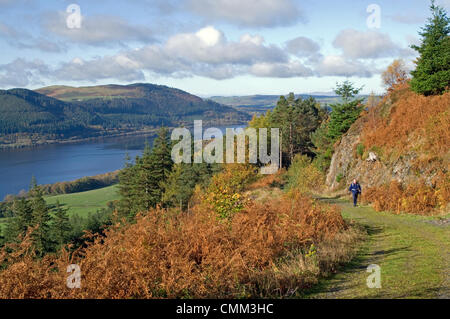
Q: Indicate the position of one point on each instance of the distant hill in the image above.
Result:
(25, 111)
(145, 104)
(262, 103)
(60, 113)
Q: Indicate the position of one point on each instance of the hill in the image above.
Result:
(62, 113)
(262, 103)
(399, 151)
(25, 111)
(140, 104)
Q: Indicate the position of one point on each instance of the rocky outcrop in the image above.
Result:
(367, 166)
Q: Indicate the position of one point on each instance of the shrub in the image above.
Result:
(415, 121)
(225, 191)
(304, 176)
(165, 255)
(416, 198)
(360, 150)
(270, 180)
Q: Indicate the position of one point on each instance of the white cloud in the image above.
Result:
(210, 46)
(24, 40)
(209, 36)
(206, 52)
(339, 66)
(255, 39)
(21, 73)
(111, 67)
(302, 46)
(366, 44)
(97, 30)
(281, 70)
(252, 13)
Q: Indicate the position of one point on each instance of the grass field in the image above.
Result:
(85, 202)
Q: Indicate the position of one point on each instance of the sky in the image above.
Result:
(208, 47)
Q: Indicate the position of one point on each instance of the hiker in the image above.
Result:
(355, 188)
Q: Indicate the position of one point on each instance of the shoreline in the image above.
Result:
(78, 140)
(152, 131)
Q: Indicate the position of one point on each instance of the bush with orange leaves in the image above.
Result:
(417, 198)
(269, 180)
(404, 120)
(407, 123)
(168, 254)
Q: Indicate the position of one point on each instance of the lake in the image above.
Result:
(67, 162)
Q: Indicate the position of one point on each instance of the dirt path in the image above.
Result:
(412, 251)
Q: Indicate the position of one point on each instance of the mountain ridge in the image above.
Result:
(62, 113)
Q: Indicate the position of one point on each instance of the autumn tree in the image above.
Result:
(395, 74)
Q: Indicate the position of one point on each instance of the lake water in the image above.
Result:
(66, 162)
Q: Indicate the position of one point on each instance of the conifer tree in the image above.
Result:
(154, 169)
(20, 221)
(40, 220)
(141, 184)
(127, 188)
(344, 114)
(432, 73)
(60, 227)
(297, 119)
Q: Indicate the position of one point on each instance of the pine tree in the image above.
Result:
(60, 227)
(20, 221)
(344, 114)
(154, 168)
(181, 182)
(127, 189)
(297, 119)
(40, 220)
(432, 73)
(141, 184)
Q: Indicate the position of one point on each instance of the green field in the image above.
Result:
(85, 202)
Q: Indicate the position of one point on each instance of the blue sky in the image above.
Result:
(207, 47)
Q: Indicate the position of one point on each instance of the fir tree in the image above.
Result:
(344, 114)
(60, 227)
(127, 189)
(141, 184)
(40, 220)
(432, 73)
(20, 221)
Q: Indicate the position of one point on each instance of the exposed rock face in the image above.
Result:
(369, 170)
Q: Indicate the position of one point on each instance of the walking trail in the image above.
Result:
(412, 251)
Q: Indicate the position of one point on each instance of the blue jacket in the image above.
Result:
(355, 188)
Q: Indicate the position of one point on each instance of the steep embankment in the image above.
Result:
(405, 138)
